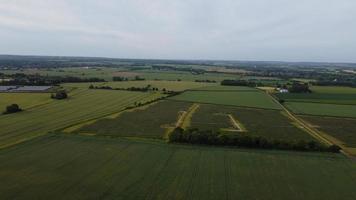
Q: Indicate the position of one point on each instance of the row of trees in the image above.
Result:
(137, 89)
(241, 83)
(29, 79)
(195, 136)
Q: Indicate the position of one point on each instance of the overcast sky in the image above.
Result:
(289, 30)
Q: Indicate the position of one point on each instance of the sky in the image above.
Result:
(269, 30)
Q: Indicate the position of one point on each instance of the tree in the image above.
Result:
(61, 94)
(13, 108)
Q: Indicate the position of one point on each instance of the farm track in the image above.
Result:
(312, 131)
(184, 121)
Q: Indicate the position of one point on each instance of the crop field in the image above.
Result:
(323, 94)
(272, 124)
(72, 167)
(322, 109)
(339, 128)
(255, 99)
(225, 88)
(24, 100)
(211, 117)
(152, 121)
(82, 105)
(333, 90)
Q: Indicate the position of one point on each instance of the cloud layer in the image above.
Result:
(304, 30)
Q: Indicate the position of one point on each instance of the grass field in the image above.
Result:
(152, 121)
(225, 88)
(24, 100)
(81, 105)
(341, 129)
(323, 94)
(322, 109)
(242, 98)
(78, 167)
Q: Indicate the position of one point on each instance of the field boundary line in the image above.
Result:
(246, 107)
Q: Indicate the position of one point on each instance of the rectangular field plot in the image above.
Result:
(81, 105)
(254, 99)
(24, 100)
(323, 94)
(322, 109)
(319, 98)
(152, 121)
(339, 128)
(212, 117)
(270, 124)
(78, 167)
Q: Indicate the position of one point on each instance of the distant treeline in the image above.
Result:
(120, 79)
(241, 83)
(205, 81)
(174, 68)
(147, 88)
(196, 136)
(30, 79)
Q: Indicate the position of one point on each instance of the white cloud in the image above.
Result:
(192, 29)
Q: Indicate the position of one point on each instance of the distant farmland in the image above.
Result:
(82, 105)
(25, 100)
(322, 109)
(72, 167)
(151, 121)
(241, 98)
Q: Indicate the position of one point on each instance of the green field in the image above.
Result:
(152, 121)
(80, 106)
(319, 98)
(225, 88)
(323, 94)
(341, 129)
(211, 117)
(78, 167)
(322, 109)
(255, 99)
(24, 100)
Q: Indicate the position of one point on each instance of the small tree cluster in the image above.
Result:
(61, 94)
(13, 108)
(195, 136)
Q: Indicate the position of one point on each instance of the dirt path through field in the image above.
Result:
(236, 124)
(184, 120)
(311, 130)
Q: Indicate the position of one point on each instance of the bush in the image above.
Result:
(61, 94)
(13, 108)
